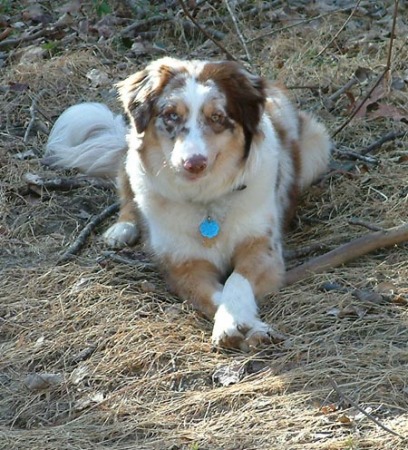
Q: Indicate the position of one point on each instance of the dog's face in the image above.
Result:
(198, 118)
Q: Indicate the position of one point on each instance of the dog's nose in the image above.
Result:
(195, 164)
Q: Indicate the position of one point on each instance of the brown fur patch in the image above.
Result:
(257, 261)
(291, 146)
(245, 94)
(128, 209)
(196, 280)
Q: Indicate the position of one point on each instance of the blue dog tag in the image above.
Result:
(209, 228)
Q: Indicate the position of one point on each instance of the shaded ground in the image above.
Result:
(131, 367)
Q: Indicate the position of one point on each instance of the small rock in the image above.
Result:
(40, 381)
(227, 375)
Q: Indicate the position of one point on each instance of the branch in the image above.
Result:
(348, 252)
(79, 242)
(379, 79)
(301, 22)
(206, 34)
(33, 114)
(341, 28)
(388, 137)
(37, 183)
(363, 411)
(237, 29)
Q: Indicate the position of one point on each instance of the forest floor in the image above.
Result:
(94, 352)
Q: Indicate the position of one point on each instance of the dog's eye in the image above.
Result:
(171, 117)
(216, 118)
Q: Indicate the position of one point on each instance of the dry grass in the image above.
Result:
(136, 364)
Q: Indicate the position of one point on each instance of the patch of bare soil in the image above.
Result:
(94, 352)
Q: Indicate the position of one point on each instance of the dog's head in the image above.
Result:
(201, 115)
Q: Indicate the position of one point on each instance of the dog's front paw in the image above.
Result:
(228, 332)
(121, 234)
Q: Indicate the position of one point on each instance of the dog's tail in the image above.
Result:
(315, 148)
(87, 137)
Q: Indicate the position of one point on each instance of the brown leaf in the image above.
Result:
(403, 159)
(345, 420)
(381, 110)
(376, 95)
(328, 409)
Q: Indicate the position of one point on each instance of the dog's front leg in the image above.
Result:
(258, 270)
(197, 281)
(125, 231)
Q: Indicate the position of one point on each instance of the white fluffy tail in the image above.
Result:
(87, 137)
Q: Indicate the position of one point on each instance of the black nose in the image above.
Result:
(195, 164)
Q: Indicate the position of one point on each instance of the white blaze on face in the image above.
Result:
(191, 142)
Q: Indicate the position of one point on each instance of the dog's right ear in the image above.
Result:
(138, 97)
(140, 91)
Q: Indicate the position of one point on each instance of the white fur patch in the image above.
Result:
(121, 234)
(88, 137)
(236, 316)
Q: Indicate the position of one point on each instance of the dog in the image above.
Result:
(208, 171)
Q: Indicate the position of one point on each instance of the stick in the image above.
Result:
(14, 42)
(363, 411)
(278, 30)
(348, 252)
(208, 36)
(388, 137)
(145, 24)
(341, 29)
(33, 114)
(302, 251)
(355, 155)
(66, 184)
(365, 224)
(237, 29)
(79, 242)
(330, 101)
(380, 78)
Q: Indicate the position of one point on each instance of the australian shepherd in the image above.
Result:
(208, 172)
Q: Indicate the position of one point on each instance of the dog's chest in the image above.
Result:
(185, 231)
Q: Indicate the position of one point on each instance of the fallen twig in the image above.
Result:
(121, 259)
(199, 27)
(379, 79)
(388, 137)
(238, 30)
(289, 254)
(14, 42)
(365, 224)
(145, 24)
(329, 103)
(362, 410)
(348, 252)
(79, 242)
(349, 154)
(301, 22)
(65, 184)
(33, 114)
(341, 29)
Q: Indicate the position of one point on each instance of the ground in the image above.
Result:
(94, 351)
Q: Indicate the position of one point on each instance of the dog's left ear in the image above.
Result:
(245, 94)
(140, 91)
